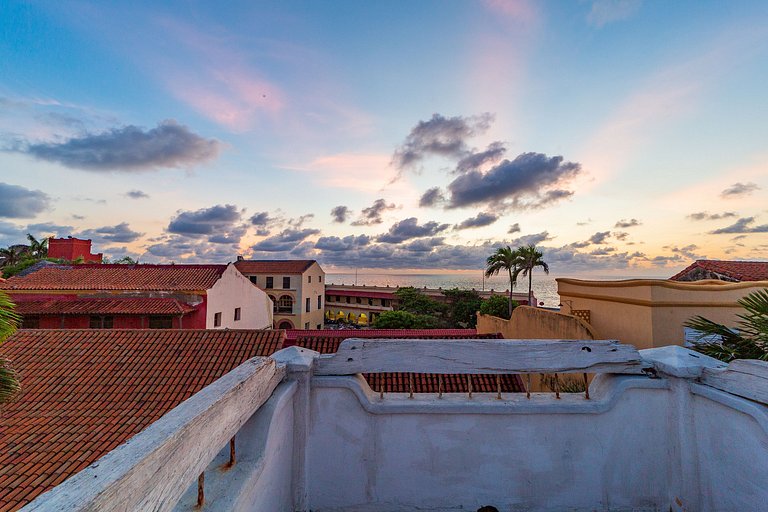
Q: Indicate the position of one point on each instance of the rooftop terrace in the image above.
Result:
(661, 429)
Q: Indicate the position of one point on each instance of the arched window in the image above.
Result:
(274, 303)
(285, 304)
(285, 324)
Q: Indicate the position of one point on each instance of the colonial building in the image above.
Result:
(139, 297)
(296, 287)
(71, 249)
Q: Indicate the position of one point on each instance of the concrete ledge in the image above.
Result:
(756, 411)
(604, 395)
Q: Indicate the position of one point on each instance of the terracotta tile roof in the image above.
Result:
(328, 341)
(273, 266)
(84, 392)
(119, 277)
(733, 270)
(125, 306)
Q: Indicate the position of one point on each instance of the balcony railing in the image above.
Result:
(665, 429)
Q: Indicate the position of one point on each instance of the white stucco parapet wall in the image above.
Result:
(676, 440)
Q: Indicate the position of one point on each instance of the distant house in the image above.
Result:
(296, 287)
(72, 249)
(722, 270)
(85, 392)
(139, 297)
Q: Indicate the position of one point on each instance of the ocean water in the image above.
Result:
(544, 286)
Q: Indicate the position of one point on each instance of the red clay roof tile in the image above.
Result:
(273, 266)
(84, 392)
(119, 277)
(117, 306)
(734, 270)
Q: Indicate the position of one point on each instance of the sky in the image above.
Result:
(620, 136)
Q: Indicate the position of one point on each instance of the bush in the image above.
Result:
(404, 320)
(498, 306)
(463, 306)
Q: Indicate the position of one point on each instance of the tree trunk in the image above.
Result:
(530, 284)
(510, 292)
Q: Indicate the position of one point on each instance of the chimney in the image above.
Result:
(240, 257)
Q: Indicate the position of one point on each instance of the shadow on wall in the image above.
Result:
(529, 323)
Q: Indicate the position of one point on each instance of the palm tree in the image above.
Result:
(529, 257)
(37, 248)
(9, 320)
(504, 259)
(748, 341)
(10, 255)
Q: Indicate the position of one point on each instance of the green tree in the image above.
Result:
(125, 260)
(462, 307)
(9, 321)
(404, 320)
(37, 248)
(504, 259)
(529, 257)
(497, 305)
(11, 255)
(412, 300)
(749, 340)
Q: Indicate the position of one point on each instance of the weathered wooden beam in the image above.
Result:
(480, 356)
(747, 378)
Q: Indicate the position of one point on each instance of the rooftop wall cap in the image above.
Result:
(679, 361)
(296, 358)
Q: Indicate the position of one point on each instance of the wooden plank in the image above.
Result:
(747, 378)
(480, 356)
(153, 469)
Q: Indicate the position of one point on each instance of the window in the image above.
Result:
(319, 302)
(306, 326)
(101, 322)
(349, 300)
(285, 304)
(370, 302)
(270, 281)
(319, 279)
(30, 322)
(308, 305)
(274, 303)
(319, 326)
(217, 320)
(385, 302)
(254, 279)
(161, 322)
(309, 279)
(286, 283)
(359, 300)
(237, 314)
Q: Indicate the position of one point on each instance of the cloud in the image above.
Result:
(431, 197)
(286, 240)
(439, 136)
(372, 214)
(474, 161)
(137, 194)
(742, 225)
(518, 184)
(739, 190)
(18, 202)
(604, 12)
(119, 233)
(129, 149)
(600, 237)
(340, 213)
(479, 220)
(49, 228)
(263, 223)
(534, 239)
(424, 244)
(409, 228)
(334, 243)
(687, 251)
(711, 216)
(624, 224)
(178, 248)
(220, 224)
(620, 235)
(514, 228)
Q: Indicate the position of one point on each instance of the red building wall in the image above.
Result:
(72, 249)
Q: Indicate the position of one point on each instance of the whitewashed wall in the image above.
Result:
(234, 290)
(608, 453)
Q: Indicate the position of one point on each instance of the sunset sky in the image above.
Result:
(623, 137)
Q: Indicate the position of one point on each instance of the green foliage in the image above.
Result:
(404, 320)
(528, 258)
(413, 301)
(504, 259)
(497, 305)
(12, 255)
(9, 321)
(12, 270)
(750, 338)
(125, 260)
(37, 248)
(462, 307)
